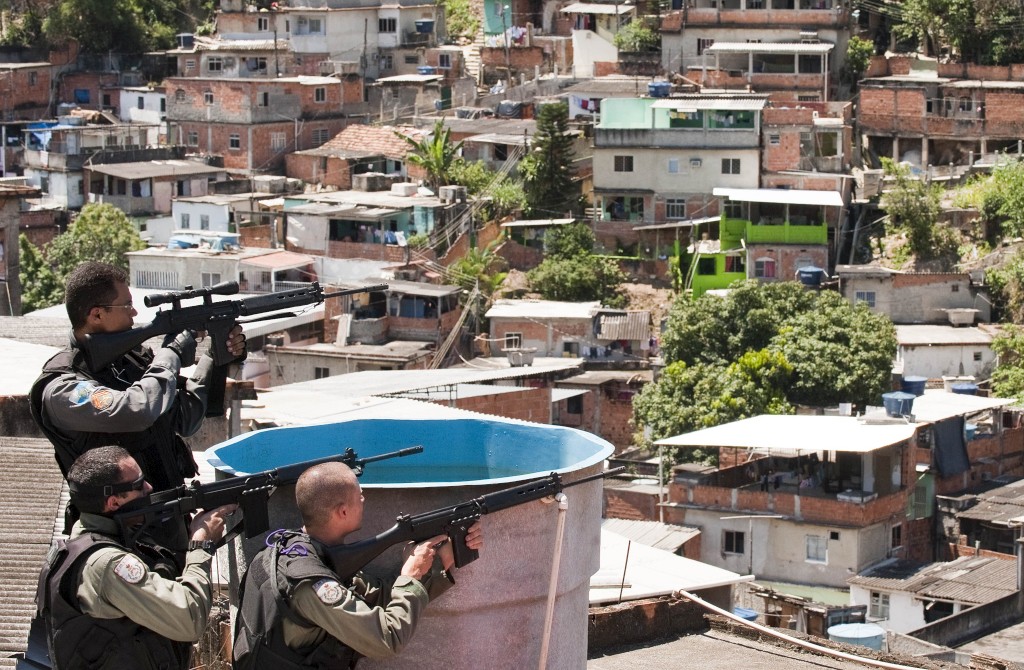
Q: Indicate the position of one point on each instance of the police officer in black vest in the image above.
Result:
(296, 613)
(103, 604)
(139, 401)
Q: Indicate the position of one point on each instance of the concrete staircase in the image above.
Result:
(471, 56)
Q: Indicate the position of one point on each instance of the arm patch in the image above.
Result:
(130, 569)
(81, 393)
(329, 592)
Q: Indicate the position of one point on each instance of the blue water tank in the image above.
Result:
(810, 275)
(424, 26)
(865, 634)
(965, 389)
(898, 403)
(970, 429)
(744, 613)
(913, 385)
(659, 89)
(426, 69)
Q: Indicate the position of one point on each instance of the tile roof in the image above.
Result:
(31, 492)
(369, 140)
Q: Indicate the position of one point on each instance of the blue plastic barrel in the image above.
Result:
(810, 275)
(745, 613)
(914, 385)
(898, 403)
(659, 89)
(970, 429)
(424, 26)
(965, 389)
(426, 69)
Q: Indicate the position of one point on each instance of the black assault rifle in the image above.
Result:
(453, 521)
(216, 318)
(164, 514)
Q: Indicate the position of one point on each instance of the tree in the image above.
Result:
(460, 20)
(637, 36)
(579, 279)
(575, 239)
(1006, 289)
(999, 198)
(101, 232)
(40, 286)
(858, 56)
(548, 169)
(761, 349)
(839, 352)
(1008, 377)
(915, 206)
(436, 154)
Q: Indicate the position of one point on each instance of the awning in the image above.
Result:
(279, 260)
(781, 196)
(793, 434)
(724, 104)
(769, 48)
(686, 223)
(537, 223)
(597, 8)
(558, 394)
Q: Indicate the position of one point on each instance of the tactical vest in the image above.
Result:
(163, 456)
(78, 641)
(265, 597)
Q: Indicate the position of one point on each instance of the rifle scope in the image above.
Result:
(223, 288)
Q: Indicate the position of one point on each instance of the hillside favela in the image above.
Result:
(508, 334)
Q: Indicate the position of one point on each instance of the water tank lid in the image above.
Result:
(856, 630)
(899, 395)
(914, 380)
(745, 613)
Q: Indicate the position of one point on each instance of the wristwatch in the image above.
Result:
(206, 545)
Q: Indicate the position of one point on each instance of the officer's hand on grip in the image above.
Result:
(183, 344)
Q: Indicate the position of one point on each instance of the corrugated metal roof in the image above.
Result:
(541, 309)
(652, 533)
(969, 579)
(31, 492)
(151, 169)
(781, 196)
(624, 326)
(997, 506)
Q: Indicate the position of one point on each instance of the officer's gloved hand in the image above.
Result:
(183, 344)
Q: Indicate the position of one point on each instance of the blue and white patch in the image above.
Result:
(329, 591)
(130, 569)
(81, 393)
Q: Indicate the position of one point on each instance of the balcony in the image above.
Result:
(130, 205)
(771, 230)
(810, 14)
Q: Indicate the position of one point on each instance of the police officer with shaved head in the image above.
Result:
(109, 607)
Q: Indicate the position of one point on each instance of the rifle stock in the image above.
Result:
(453, 521)
(249, 492)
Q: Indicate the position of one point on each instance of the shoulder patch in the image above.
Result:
(130, 569)
(329, 591)
(80, 394)
(101, 398)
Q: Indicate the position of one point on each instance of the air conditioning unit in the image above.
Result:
(696, 162)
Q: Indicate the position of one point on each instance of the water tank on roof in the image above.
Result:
(810, 275)
(913, 385)
(425, 26)
(898, 403)
(426, 69)
(867, 635)
(659, 89)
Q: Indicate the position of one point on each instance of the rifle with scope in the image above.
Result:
(453, 521)
(216, 318)
(165, 510)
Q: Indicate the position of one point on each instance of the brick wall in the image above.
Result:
(314, 169)
(527, 404)
(40, 227)
(638, 505)
(535, 333)
(605, 68)
(918, 541)
(26, 93)
(520, 257)
(254, 236)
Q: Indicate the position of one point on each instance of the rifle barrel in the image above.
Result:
(353, 291)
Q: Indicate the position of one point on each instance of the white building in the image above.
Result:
(937, 351)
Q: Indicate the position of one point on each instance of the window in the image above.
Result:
(623, 163)
(320, 135)
(513, 340)
(444, 61)
(879, 605)
(204, 224)
(732, 542)
(673, 166)
(412, 59)
(184, 221)
(263, 99)
(190, 64)
(501, 152)
(315, 26)
(321, 373)
(208, 97)
(32, 78)
(955, 288)
(262, 24)
(734, 210)
(977, 356)
(735, 264)
(209, 278)
(834, 535)
(675, 208)
(730, 166)
(193, 138)
(774, 139)
(235, 141)
(163, 104)
(706, 267)
(319, 94)
(574, 405)
(387, 25)
(140, 103)
(179, 96)
(764, 268)
(817, 548)
(703, 43)
(896, 536)
(387, 62)
(214, 64)
(865, 296)
(256, 64)
(277, 141)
